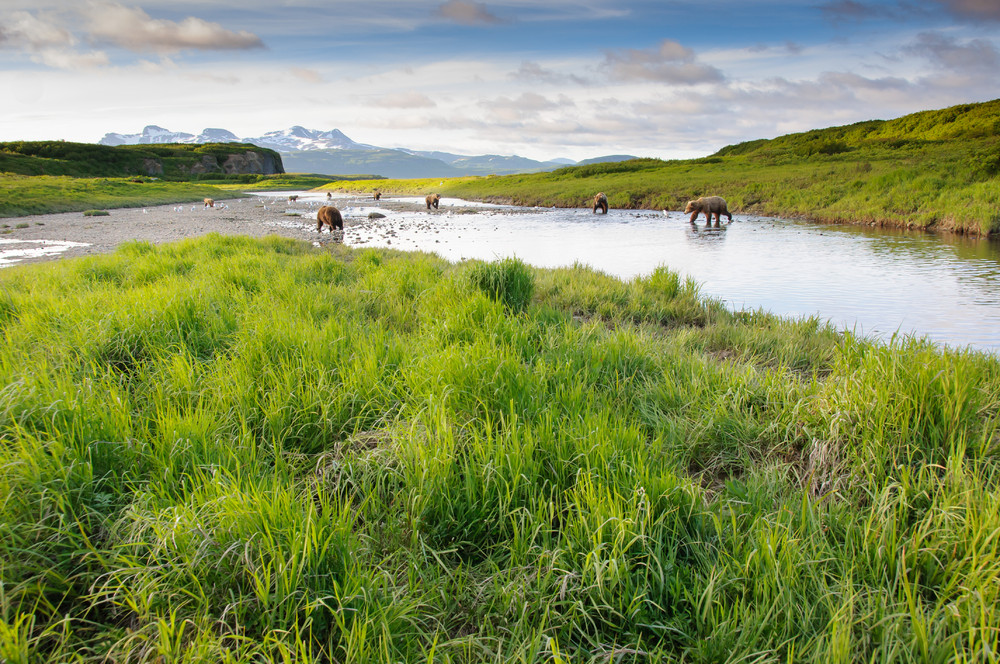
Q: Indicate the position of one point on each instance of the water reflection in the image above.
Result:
(15, 251)
(708, 237)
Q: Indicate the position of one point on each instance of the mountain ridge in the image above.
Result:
(332, 152)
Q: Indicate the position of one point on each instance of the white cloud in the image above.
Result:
(306, 74)
(26, 30)
(533, 72)
(70, 59)
(671, 63)
(973, 56)
(405, 100)
(135, 30)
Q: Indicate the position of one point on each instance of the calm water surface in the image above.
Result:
(944, 287)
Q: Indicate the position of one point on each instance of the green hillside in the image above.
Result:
(40, 177)
(174, 161)
(934, 169)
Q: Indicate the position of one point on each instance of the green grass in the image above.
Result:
(237, 450)
(282, 182)
(22, 195)
(935, 169)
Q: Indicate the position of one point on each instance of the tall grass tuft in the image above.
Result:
(508, 281)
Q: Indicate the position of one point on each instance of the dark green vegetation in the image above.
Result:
(172, 162)
(43, 177)
(935, 169)
(229, 450)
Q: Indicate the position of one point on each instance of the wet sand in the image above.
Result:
(49, 237)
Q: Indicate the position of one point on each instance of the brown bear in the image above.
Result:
(329, 216)
(433, 199)
(292, 199)
(709, 205)
(329, 196)
(377, 195)
(601, 203)
(209, 202)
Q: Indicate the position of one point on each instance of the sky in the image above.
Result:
(563, 79)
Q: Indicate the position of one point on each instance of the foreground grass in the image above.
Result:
(935, 169)
(229, 450)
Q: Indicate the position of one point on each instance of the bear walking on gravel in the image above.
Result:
(601, 203)
(709, 205)
(433, 199)
(329, 216)
(209, 202)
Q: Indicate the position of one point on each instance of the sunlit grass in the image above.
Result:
(236, 450)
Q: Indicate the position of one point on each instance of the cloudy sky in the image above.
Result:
(576, 79)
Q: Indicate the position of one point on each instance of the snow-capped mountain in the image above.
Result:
(149, 134)
(286, 140)
(299, 138)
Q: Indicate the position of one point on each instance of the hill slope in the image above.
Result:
(166, 161)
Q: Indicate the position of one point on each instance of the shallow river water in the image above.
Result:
(874, 282)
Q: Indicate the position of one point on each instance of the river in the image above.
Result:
(873, 282)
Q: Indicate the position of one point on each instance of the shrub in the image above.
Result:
(509, 281)
(96, 213)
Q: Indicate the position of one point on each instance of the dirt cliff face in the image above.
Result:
(251, 161)
(152, 166)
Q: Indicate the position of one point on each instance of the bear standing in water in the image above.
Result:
(329, 216)
(433, 199)
(709, 205)
(601, 203)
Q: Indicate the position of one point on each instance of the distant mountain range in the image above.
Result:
(333, 153)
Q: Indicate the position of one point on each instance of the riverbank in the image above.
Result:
(254, 216)
(237, 449)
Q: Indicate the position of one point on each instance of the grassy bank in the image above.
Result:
(42, 194)
(235, 450)
(936, 169)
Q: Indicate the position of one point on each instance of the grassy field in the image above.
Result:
(228, 450)
(935, 169)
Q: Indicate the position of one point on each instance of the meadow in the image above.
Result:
(935, 170)
(236, 450)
